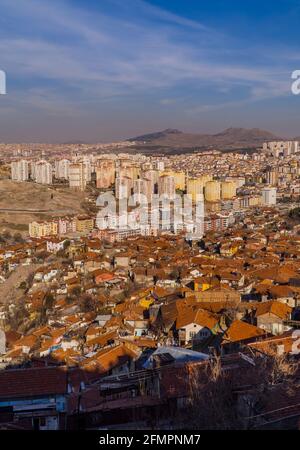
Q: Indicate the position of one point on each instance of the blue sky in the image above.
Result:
(101, 70)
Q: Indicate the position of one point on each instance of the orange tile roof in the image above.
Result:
(27, 341)
(103, 339)
(107, 359)
(192, 314)
(270, 344)
(239, 331)
(40, 331)
(281, 291)
(279, 309)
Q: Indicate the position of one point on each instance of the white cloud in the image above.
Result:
(139, 48)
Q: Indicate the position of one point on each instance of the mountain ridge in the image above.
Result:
(232, 137)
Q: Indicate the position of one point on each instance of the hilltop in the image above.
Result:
(32, 201)
(231, 138)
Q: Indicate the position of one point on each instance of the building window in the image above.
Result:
(42, 421)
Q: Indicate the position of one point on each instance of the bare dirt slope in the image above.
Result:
(21, 203)
(9, 290)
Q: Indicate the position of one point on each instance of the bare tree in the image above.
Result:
(211, 401)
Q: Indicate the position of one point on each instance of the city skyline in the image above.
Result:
(109, 71)
(149, 219)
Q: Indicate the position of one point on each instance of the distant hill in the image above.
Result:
(157, 135)
(227, 139)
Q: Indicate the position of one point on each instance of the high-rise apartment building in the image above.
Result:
(105, 173)
(153, 176)
(43, 172)
(194, 188)
(123, 187)
(166, 186)
(272, 177)
(142, 187)
(20, 170)
(212, 191)
(77, 176)
(281, 148)
(269, 196)
(62, 168)
(228, 190)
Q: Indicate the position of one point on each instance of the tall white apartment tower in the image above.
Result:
(62, 168)
(20, 170)
(166, 186)
(269, 196)
(87, 169)
(43, 172)
(199, 216)
(123, 187)
(77, 176)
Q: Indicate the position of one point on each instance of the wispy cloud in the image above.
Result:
(62, 58)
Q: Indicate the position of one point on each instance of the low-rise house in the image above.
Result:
(195, 324)
(102, 340)
(272, 316)
(69, 343)
(84, 224)
(111, 361)
(94, 246)
(26, 343)
(233, 279)
(92, 332)
(34, 398)
(240, 333)
(48, 346)
(50, 274)
(140, 327)
(102, 319)
(217, 295)
(284, 344)
(55, 245)
(229, 249)
(104, 277)
(284, 294)
(122, 259)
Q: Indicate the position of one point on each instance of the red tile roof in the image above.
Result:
(239, 331)
(279, 309)
(35, 382)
